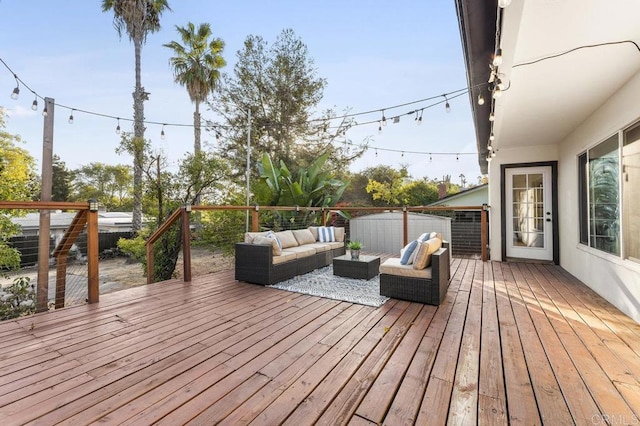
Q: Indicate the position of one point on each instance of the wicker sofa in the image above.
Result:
(265, 262)
(427, 285)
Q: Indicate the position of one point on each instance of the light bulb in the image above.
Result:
(480, 99)
(118, 127)
(492, 117)
(15, 93)
(497, 93)
(71, 118)
(162, 133)
(504, 3)
(384, 120)
(419, 120)
(489, 147)
(489, 158)
(497, 58)
(34, 105)
(492, 137)
(45, 112)
(447, 107)
(493, 153)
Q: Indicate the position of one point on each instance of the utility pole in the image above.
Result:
(248, 166)
(42, 293)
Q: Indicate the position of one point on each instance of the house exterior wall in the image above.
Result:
(614, 278)
(524, 154)
(476, 197)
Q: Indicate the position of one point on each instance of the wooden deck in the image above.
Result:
(512, 343)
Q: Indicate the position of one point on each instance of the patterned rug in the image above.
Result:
(323, 283)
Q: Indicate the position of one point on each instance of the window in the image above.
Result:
(631, 192)
(599, 176)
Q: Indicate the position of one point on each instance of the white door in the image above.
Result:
(528, 212)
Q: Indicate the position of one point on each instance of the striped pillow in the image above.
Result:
(408, 253)
(326, 234)
(273, 236)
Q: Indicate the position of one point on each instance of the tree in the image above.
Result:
(137, 18)
(62, 180)
(279, 86)
(17, 183)
(109, 184)
(196, 66)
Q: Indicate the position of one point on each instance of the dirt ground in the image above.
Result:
(120, 272)
(129, 274)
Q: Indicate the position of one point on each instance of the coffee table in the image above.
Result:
(365, 267)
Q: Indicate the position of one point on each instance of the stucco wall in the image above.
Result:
(615, 279)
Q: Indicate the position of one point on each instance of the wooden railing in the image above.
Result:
(183, 214)
(87, 215)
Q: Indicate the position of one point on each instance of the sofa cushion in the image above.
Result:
(287, 239)
(336, 244)
(425, 250)
(408, 253)
(285, 257)
(301, 251)
(314, 231)
(320, 247)
(276, 250)
(392, 266)
(339, 232)
(303, 236)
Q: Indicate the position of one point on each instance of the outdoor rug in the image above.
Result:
(323, 283)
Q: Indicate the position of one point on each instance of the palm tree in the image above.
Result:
(137, 18)
(196, 66)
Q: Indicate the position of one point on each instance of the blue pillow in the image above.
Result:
(326, 234)
(408, 253)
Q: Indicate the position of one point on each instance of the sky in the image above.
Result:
(373, 54)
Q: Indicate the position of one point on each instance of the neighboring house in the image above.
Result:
(60, 221)
(474, 196)
(562, 115)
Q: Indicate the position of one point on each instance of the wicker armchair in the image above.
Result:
(430, 291)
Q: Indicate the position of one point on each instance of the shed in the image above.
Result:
(382, 232)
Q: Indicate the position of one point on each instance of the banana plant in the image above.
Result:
(312, 187)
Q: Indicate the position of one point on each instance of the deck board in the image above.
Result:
(511, 343)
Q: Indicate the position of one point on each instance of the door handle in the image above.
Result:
(548, 219)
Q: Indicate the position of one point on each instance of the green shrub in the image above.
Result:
(18, 299)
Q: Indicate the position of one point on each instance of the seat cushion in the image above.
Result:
(392, 266)
(320, 247)
(284, 257)
(301, 251)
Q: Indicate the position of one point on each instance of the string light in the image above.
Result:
(504, 3)
(71, 117)
(447, 107)
(16, 91)
(492, 137)
(480, 99)
(457, 157)
(45, 112)
(34, 104)
(492, 116)
(430, 158)
(118, 126)
(384, 119)
(497, 58)
(380, 127)
(162, 132)
(376, 152)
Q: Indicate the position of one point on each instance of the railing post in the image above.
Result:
(61, 280)
(405, 226)
(186, 243)
(323, 219)
(149, 263)
(483, 231)
(92, 252)
(255, 219)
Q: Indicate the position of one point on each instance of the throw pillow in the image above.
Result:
(435, 235)
(339, 232)
(408, 253)
(423, 237)
(326, 234)
(275, 249)
(274, 237)
(304, 236)
(422, 256)
(287, 239)
(423, 259)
